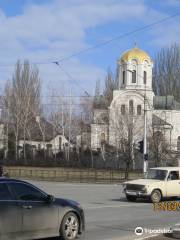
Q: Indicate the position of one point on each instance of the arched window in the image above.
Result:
(138, 109)
(124, 75)
(123, 109)
(103, 138)
(134, 76)
(134, 70)
(145, 77)
(60, 142)
(131, 107)
(178, 143)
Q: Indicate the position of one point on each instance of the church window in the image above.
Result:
(123, 109)
(138, 109)
(134, 76)
(146, 63)
(145, 77)
(131, 107)
(178, 143)
(124, 74)
(103, 138)
(60, 142)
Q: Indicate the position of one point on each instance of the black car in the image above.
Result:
(26, 212)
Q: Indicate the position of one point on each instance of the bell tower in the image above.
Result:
(135, 70)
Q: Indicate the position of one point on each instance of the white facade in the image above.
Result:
(135, 89)
(56, 144)
(173, 118)
(99, 128)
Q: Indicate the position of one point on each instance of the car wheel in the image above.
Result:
(131, 198)
(156, 196)
(69, 227)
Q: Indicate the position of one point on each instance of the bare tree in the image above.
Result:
(126, 129)
(86, 108)
(57, 111)
(64, 116)
(97, 88)
(110, 84)
(160, 147)
(166, 76)
(23, 100)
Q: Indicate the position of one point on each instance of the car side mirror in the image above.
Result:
(50, 199)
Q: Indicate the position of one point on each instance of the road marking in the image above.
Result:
(130, 237)
(113, 206)
(146, 237)
(73, 183)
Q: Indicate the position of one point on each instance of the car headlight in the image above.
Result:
(144, 189)
(124, 186)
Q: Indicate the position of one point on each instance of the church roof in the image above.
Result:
(100, 102)
(156, 121)
(135, 53)
(166, 103)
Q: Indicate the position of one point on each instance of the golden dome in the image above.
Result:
(135, 53)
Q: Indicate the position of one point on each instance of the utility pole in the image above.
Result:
(62, 118)
(7, 132)
(81, 130)
(70, 113)
(132, 142)
(145, 156)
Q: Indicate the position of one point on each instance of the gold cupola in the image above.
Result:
(137, 54)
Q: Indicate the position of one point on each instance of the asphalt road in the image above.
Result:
(108, 215)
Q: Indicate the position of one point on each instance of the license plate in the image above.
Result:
(132, 193)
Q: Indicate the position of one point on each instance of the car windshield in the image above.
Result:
(156, 174)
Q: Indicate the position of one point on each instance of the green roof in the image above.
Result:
(165, 103)
(156, 121)
(100, 102)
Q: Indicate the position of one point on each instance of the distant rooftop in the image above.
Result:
(165, 103)
(100, 102)
(158, 121)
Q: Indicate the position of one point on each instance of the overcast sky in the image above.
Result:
(49, 30)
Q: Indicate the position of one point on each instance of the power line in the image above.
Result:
(105, 42)
(120, 36)
(63, 96)
(70, 77)
(67, 96)
(65, 104)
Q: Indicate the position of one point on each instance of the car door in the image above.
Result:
(173, 184)
(10, 215)
(40, 218)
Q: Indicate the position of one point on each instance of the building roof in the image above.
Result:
(100, 102)
(135, 53)
(165, 103)
(156, 121)
(37, 130)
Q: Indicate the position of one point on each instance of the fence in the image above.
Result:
(70, 174)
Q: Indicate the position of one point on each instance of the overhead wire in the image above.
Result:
(143, 28)
(70, 77)
(57, 62)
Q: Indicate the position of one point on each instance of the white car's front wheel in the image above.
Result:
(156, 196)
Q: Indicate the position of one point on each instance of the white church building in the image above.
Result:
(133, 96)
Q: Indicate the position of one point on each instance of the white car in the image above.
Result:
(158, 183)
